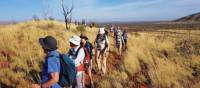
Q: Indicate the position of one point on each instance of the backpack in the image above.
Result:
(125, 36)
(99, 39)
(118, 36)
(91, 48)
(86, 61)
(68, 71)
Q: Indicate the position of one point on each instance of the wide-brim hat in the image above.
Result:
(76, 40)
(101, 30)
(83, 36)
(48, 43)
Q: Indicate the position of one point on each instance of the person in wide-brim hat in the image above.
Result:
(83, 36)
(48, 43)
(51, 65)
(75, 40)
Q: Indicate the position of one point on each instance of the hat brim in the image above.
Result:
(74, 42)
(41, 41)
(102, 32)
(84, 37)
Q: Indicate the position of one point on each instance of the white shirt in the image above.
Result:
(79, 59)
(80, 56)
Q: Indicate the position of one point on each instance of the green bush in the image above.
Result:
(81, 28)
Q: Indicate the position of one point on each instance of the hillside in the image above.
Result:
(153, 60)
(191, 18)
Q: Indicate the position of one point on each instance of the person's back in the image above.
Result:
(77, 54)
(119, 41)
(51, 64)
(118, 37)
(106, 33)
(102, 46)
(101, 41)
(125, 35)
(89, 48)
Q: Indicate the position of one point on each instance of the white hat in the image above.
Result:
(101, 30)
(76, 40)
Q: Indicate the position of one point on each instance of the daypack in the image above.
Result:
(100, 39)
(125, 36)
(86, 61)
(91, 48)
(118, 36)
(68, 71)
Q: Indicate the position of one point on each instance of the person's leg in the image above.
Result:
(80, 80)
(125, 40)
(91, 63)
(104, 62)
(98, 60)
(120, 49)
(90, 76)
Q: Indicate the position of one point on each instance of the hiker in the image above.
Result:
(106, 31)
(118, 40)
(125, 37)
(101, 45)
(51, 66)
(112, 29)
(88, 46)
(77, 54)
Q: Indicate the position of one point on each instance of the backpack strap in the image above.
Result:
(106, 38)
(78, 51)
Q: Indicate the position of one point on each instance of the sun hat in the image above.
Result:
(48, 43)
(102, 30)
(83, 35)
(76, 40)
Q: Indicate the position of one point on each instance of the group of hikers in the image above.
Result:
(68, 70)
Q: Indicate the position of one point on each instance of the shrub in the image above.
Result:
(81, 28)
(105, 84)
(188, 47)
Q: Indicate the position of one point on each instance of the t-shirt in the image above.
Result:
(78, 60)
(51, 64)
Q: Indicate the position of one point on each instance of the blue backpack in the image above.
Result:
(68, 72)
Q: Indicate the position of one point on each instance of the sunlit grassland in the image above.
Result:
(168, 66)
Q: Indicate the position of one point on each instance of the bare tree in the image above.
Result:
(45, 9)
(67, 13)
(45, 13)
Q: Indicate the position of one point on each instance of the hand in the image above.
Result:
(44, 86)
(35, 86)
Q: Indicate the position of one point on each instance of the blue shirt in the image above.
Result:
(51, 64)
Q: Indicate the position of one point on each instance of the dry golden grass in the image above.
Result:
(167, 68)
(20, 43)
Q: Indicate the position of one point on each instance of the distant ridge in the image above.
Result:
(191, 18)
(6, 22)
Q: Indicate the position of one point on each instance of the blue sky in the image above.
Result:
(100, 10)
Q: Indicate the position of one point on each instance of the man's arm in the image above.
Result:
(54, 79)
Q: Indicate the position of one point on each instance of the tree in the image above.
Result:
(36, 18)
(51, 18)
(45, 9)
(67, 13)
(83, 22)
